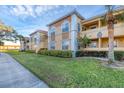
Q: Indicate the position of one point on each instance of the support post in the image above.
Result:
(74, 35)
(99, 43)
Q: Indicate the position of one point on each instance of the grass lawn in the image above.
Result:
(68, 72)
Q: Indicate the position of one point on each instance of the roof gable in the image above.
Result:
(67, 15)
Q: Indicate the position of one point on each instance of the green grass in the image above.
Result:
(68, 72)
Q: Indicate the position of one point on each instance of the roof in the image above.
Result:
(41, 31)
(26, 37)
(94, 17)
(69, 14)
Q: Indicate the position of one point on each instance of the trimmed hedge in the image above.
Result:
(30, 51)
(56, 53)
(119, 55)
(91, 53)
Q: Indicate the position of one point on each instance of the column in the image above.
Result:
(99, 23)
(99, 39)
(73, 35)
(99, 43)
(48, 39)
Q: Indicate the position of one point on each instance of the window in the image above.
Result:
(83, 28)
(78, 27)
(52, 45)
(52, 33)
(65, 44)
(40, 39)
(35, 41)
(115, 43)
(78, 45)
(93, 45)
(93, 27)
(65, 26)
(31, 39)
(27, 47)
(27, 41)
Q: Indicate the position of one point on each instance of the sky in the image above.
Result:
(26, 19)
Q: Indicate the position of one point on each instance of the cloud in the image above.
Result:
(19, 10)
(30, 10)
(44, 8)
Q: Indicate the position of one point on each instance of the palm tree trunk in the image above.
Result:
(111, 45)
(111, 37)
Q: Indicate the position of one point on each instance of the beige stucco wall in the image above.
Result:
(67, 35)
(58, 33)
(120, 41)
(42, 44)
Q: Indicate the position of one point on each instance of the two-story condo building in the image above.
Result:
(38, 40)
(95, 28)
(25, 44)
(63, 32)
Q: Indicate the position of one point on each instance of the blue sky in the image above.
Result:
(28, 18)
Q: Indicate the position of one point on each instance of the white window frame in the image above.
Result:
(92, 45)
(63, 24)
(78, 24)
(52, 29)
(51, 44)
(62, 44)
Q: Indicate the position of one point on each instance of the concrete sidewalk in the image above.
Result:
(14, 75)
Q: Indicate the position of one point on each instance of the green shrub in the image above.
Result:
(56, 53)
(119, 55)
(30, 51)
(91, 53)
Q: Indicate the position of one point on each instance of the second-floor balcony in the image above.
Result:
(93, 33)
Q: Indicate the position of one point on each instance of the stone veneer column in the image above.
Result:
(73, 35)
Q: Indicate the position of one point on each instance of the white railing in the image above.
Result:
(103, 49)
(92, 33)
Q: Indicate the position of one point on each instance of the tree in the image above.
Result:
(110, 26)
(109, 19)
(84, 42)
(20, 37)
(7, 33)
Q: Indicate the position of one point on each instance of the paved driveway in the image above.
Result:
(14, 75)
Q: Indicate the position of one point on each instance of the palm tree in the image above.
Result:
(110, 27)
(84, 42)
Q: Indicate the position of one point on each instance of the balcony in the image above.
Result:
(93, 33)
(103, 49)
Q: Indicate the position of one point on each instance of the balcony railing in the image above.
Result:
(92, 33)
(103, 49)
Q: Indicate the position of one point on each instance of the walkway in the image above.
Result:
(14, 75)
